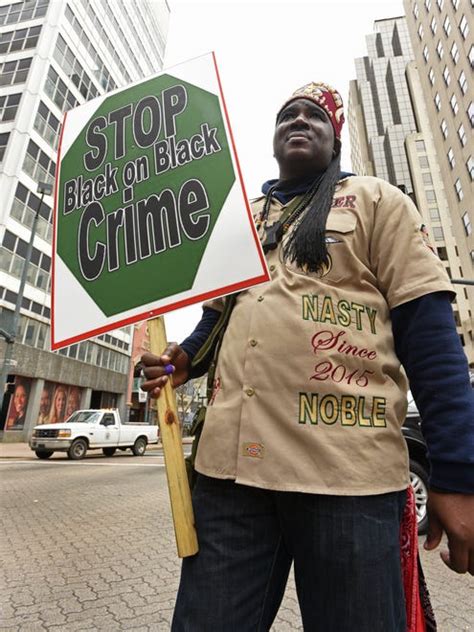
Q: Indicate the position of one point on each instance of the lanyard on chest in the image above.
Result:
(274, 233)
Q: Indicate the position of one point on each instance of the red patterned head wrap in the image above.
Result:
(326, 97)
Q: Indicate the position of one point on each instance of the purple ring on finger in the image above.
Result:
(169, 369)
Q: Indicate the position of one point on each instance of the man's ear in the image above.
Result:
(337, 147)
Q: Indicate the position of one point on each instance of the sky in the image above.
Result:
(264, 51)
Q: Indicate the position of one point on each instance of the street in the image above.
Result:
(89, 545)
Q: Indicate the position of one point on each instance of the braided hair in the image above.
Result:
(306, 244)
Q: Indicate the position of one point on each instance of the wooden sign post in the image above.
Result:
(170, 432)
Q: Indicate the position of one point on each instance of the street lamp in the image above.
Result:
(44, 188)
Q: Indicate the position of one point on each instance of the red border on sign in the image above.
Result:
(228, 289)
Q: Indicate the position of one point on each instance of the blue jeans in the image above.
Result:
(345, 551)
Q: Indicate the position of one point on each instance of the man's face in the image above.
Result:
(45, 402)
(72, 403)
(304, 139)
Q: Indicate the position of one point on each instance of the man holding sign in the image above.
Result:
(301, 458)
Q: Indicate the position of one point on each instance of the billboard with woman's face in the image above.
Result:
(57, 402)
(57, 413)
(18, 404)
(65, 401)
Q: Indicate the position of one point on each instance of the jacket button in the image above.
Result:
(253, 343)
(260, 299)
(272, 268)
(249, 392)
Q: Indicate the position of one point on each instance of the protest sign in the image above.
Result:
(150, 208)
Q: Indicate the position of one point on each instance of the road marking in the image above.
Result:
(13, 462)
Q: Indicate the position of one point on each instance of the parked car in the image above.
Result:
(90, 430)
(419, 464)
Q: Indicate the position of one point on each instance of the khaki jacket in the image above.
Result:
(309, 394)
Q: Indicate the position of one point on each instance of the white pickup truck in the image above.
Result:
(89, 430)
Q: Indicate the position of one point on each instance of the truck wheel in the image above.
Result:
(43, 454)
(77, 450)
(139, 447)
(419, 482)
(108, 451)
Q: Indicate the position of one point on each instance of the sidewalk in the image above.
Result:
(23, 450)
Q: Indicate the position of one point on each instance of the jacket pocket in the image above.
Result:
(340, 228)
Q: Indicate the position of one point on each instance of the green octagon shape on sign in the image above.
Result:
(130, 243)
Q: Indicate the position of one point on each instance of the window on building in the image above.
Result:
(416, 13)
(13, 72)
(102, 31)
(455, 4)
(440, 49)
(428, 5)
(437, 100)
(470, 113)
(442, 253)
(423, 160)
(433, 25)
(467, 223)
(9, 106)
(438, 233)
(446, 76)
(444, 128)
(21, 39)
(464, 27)
(3, 144)
(57, 91)
(420, 31)
(434, 214)
(47, 125)
(39, 268)
(455, 52)
(462, 82)
(447, 26)
(22, 11)
(462, 135)
(472, 257)
(70, 65)
(431, 76)
(420, 146)
(454, 104)
(38, 164)
(426, 53)
(458, 189)
(427, 179)
(99, 69)
(440, 4)
(451, 158)
(470, 167)
(430, 195)
(471, 56)
(24, 207)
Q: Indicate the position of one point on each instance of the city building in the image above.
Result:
(391, 138)
(140, 408)
(53, 57)
(442, 38)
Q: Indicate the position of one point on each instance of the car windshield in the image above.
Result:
(84, 417)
